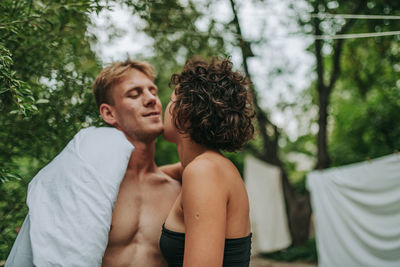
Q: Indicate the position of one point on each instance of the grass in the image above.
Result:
(306, 252)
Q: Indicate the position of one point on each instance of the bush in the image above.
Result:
(306, 252)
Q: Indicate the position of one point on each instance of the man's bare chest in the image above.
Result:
(140, 211)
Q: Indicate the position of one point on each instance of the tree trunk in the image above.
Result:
(322, 154)
(298, 210)
(298, 206)
(324, 90)
(323, 99)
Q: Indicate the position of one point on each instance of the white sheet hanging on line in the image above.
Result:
(71, 202)
(267, 206)
(357, 213)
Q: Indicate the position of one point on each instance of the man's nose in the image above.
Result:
(149, 98)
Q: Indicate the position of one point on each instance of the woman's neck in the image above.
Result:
(189, 150)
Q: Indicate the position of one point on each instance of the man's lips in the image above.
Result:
(153, 113)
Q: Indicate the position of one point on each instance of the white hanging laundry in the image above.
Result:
(71, 202)
(357, 213)
(267, 206)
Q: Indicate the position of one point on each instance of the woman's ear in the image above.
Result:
(107, 113)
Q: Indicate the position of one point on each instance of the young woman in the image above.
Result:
(209, 112)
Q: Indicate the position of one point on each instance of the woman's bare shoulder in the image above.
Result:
(212, 169)
(202, 184)
(200, 168)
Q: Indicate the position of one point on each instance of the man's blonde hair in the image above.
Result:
(111, 75)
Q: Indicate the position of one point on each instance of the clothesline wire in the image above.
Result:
(356, 35)
(319, 15)
(333, 36)
(317, 37)
(353, 16)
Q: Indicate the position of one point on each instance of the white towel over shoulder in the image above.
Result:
(71, 202)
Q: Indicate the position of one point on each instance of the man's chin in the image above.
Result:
(145, 135)
(151, 135)
(159, 130)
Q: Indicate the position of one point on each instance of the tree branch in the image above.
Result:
(336, 67)
(269, 152)
(318, 57)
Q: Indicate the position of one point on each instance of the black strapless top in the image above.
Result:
(236, 252)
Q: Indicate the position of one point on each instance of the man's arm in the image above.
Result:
(173, 170)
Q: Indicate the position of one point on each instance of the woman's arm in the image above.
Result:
(204, 201)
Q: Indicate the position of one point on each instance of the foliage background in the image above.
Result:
(47, 67)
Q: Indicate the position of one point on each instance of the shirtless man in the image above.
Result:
(127, 99)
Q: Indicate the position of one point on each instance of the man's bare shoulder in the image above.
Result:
(173, 170)
(164, 178)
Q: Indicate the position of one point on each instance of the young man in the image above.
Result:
(128, 100)
(71, 200)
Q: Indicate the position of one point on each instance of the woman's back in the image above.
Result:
(237, 206)
(229, 187)
(212, 212)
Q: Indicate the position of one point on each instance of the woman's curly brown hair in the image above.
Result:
(213, 104)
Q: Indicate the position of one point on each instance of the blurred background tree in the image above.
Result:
(345, 91)
(47, 66)
(46, 72)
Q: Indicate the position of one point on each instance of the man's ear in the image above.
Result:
(107, 113)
